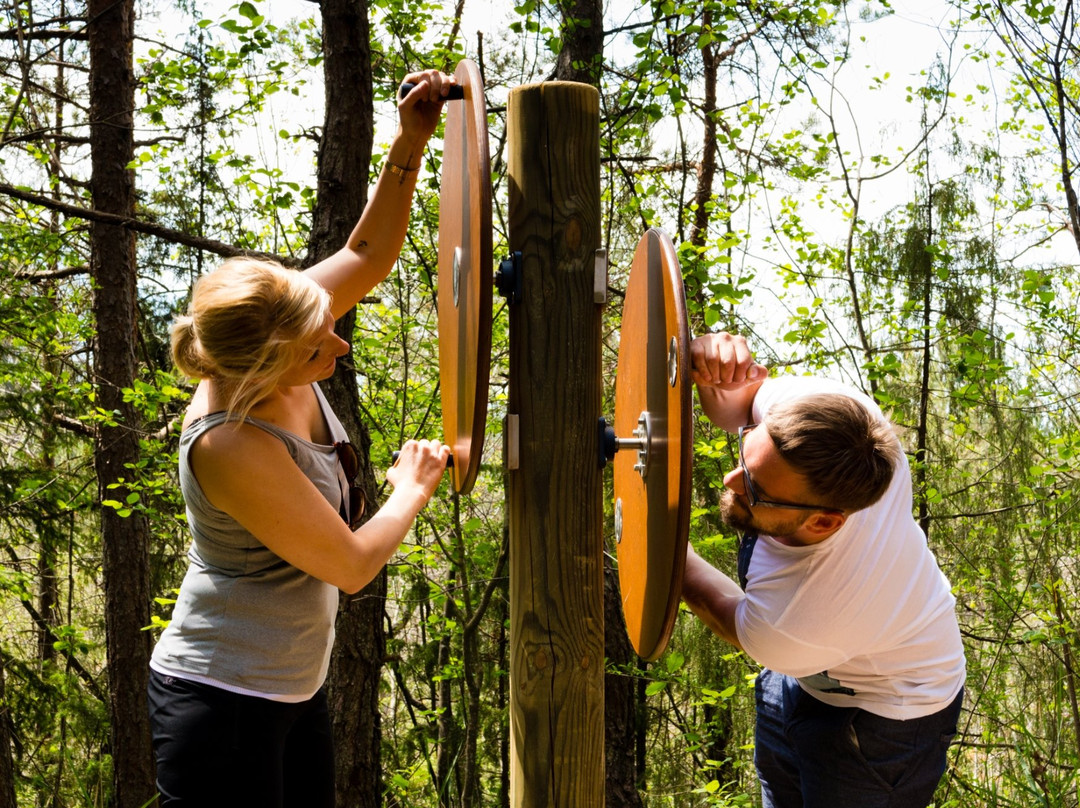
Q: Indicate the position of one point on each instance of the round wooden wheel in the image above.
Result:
(465, 277)
(653, 405)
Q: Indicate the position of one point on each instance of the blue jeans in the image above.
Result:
(811, 755)
(217, 749)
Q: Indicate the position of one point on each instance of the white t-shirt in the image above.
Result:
(866, 613)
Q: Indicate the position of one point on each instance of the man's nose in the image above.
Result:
(734, 480)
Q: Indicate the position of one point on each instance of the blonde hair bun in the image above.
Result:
(248, 322)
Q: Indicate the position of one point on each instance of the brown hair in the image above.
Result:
(247, 323)
(845, 452)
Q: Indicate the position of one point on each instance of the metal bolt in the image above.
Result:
(458, 260)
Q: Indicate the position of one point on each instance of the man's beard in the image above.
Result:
(740, 516)
(735, 514)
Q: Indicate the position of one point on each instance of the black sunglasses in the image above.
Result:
(349, 459)
(751, 492)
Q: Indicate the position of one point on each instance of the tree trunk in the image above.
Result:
(470, 787)
(503, 701)
(710, 60)
(448, 739)
(582, 53)
(719, 715)
(47, 525)
(125, 560)
(922, 431)
(343, 165)
(622, 710)
(7, 763)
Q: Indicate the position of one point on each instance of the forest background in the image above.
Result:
(923, 247)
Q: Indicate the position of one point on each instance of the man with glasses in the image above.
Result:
(839, 598)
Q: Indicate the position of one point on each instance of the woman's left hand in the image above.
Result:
(419, 111)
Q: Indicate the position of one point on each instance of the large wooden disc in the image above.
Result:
(652, 390)
(465, 277)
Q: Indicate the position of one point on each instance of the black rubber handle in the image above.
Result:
(457, 92)
(606, 444)
(449, 460)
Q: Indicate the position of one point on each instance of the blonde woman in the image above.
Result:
(237, 705)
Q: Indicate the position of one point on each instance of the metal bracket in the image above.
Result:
(511, 451)
(509, 278)
(609, 444)
(600, 276)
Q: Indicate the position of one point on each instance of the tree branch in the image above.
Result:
(72, 425)
(46, 629)
(53, 274)
(14, 35)
(146, 228)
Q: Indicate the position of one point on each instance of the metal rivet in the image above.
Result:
(618, 520)
(458, 260)
(673, 361)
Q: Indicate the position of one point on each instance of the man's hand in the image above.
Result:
(727, 378)
(724, 361)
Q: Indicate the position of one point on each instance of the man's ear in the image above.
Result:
(825, 523)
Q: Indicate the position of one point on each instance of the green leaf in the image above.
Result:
(674, 661)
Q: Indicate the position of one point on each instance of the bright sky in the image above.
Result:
(870, 107)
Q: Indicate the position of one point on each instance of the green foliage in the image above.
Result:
(942, 304)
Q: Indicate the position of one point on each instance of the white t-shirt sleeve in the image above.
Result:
(776, 649)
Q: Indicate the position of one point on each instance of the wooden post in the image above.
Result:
(555, 495)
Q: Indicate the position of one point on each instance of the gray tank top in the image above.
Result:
(245, 618)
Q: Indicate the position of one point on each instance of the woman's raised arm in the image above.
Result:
(376, 241)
